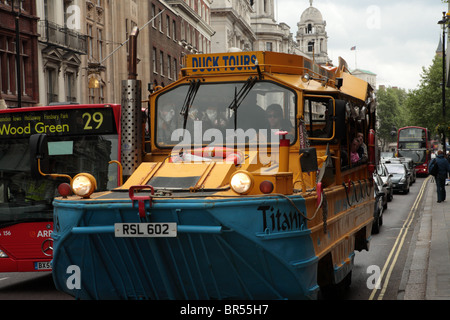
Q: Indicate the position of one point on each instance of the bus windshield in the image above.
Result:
(417, 156)
(23, 198)
(207, 112)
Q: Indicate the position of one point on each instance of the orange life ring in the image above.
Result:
(371, 151)
(230, 155)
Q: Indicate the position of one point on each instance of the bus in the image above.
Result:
(414, 142)
(80, 138)
(250, 187)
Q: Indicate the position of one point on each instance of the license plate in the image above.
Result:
(42, 265)
(145, 230)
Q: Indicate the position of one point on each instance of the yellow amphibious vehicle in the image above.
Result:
(249, 185)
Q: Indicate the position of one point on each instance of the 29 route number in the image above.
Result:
(93, 120)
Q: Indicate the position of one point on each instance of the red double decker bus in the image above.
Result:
(81, 138)
(413, 142)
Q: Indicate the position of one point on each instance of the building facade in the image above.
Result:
(312, 37)
(18, 86)
(271, 35)
(231, 21)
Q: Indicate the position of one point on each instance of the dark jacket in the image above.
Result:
(443, 165)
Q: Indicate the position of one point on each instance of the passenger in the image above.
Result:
(166, 123)
(362, 149)
(354, 156)
(250, 115)
(276, 120)
(213, 118)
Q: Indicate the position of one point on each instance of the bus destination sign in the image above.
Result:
(57, 122)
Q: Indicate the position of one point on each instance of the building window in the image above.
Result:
(90, 41)
(154, 60)
(70, 87)
(175, 69)
(174, 30)
(169, 71)
(168, 26)
(161, 63)
(153, 15)
(269, 46)
(100, 45)
(52, 95)
(310, 46)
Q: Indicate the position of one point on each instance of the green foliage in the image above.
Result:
(420, 107)
(424, 105)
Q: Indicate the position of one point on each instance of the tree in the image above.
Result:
(389, 113)
(424, 104)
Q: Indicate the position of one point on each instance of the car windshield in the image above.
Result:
(23, 198)
(396, 168)
(206, 114)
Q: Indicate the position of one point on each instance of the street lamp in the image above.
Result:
(443, 22)
(18, 12)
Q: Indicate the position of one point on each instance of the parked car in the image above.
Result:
(379, 207)
(400, 176)
(387, 181)
(381, 189)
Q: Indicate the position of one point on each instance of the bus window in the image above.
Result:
(319, 118)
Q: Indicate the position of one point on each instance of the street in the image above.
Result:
(29, 286)
(388, 251)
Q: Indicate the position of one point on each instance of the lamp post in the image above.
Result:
(18, 49)
(444, 22)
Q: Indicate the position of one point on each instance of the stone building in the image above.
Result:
(18, 88)
(231, 21)
(312, 37)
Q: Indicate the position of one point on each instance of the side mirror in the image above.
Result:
(308, 161)
(38, 155)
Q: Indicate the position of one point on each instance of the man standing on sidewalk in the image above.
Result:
(444, 167)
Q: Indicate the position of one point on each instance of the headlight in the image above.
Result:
(402, 180)
(241, 182)
(3, 255)
(84, 184)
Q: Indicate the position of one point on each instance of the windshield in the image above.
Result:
(210, 118)
(417, 156)
(23, 198)
(395, 168)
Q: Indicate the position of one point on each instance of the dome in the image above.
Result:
(311, 14)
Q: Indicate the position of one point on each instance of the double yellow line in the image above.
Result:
(398, 245)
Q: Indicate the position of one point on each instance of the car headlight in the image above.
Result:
(402, 180)
(84, 184)
(241, 182)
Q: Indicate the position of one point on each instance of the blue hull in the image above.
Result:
(257, 248)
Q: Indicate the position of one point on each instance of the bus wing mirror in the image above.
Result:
(38, 155)
(308, 160)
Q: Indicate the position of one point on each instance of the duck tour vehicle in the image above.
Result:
(239, 183)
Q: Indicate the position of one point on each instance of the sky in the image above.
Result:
(394, 39)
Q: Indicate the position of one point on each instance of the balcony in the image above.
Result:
(62, 37)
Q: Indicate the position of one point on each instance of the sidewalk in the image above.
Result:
(428, 277)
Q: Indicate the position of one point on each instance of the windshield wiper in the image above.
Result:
(192, 92)
(240, 96)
